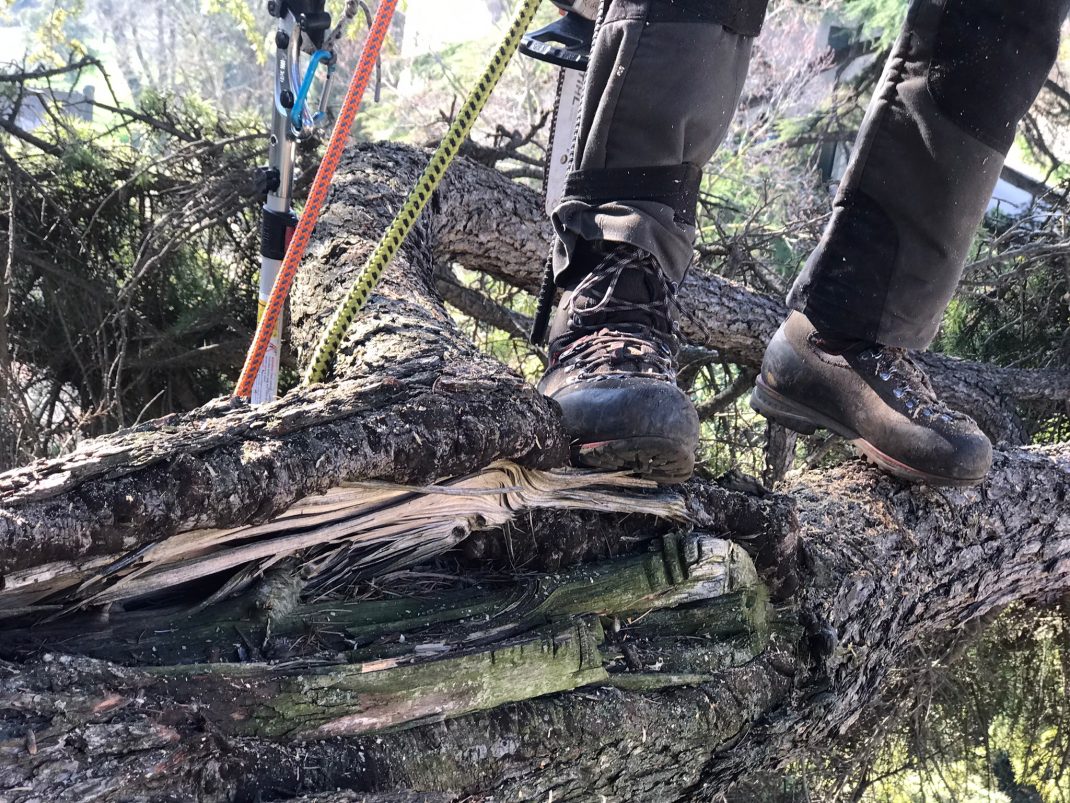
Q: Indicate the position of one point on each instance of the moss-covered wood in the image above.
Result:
(273, 623)
(433, 658)
(316, 702)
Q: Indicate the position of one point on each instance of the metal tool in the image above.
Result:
(565, 43)
(303, 34)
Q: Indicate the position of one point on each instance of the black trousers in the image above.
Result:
(665, 78)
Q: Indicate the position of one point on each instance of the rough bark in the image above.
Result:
(894, 576)
(418, 403)
(888, 573)
(867, 572)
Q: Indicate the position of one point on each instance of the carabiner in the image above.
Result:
(296, 114)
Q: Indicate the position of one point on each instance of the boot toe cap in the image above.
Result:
(964, 456)
(630, 407)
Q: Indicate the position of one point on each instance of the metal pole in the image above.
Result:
(278, 219)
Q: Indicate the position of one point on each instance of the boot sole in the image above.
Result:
(805, 420)
(661, 459)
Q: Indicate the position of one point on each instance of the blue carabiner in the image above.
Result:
(306, 85)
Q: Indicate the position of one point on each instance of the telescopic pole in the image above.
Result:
(278, 220)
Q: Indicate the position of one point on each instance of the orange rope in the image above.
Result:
(317, 197)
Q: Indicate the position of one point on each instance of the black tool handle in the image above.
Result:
(565, 42)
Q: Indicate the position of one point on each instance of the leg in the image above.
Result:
(664, 80)
(663, 84)
(927, 158)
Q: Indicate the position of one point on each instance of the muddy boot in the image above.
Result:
(874, 396)
(613, 370)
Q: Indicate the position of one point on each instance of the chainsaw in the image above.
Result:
(565, 43)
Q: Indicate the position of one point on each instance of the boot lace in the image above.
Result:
(618, 336)
(910, 384)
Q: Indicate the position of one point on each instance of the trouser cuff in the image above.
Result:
(649, 225)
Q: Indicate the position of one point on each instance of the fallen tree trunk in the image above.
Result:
(674, 692)
(889, 573)
(487, 223)
(416, 402)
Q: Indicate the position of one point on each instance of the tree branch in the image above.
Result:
(49, 72)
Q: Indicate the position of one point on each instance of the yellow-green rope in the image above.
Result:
(399, 229)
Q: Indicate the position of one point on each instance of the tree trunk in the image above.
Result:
(600, 639)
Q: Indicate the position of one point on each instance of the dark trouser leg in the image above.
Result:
(928, 156)
(664, 80)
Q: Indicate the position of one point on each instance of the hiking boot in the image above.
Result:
(875, 396)
(613, 370)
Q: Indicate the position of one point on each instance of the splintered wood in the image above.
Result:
(338, 538)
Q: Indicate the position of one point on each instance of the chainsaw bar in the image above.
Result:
(561, 149)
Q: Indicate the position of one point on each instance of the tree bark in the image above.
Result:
(888, 574)
(672, 703)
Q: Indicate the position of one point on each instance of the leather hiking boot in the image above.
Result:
(613, 370)
(875, 396)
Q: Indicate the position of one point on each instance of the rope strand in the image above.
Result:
(372, 271)
(317, 197)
